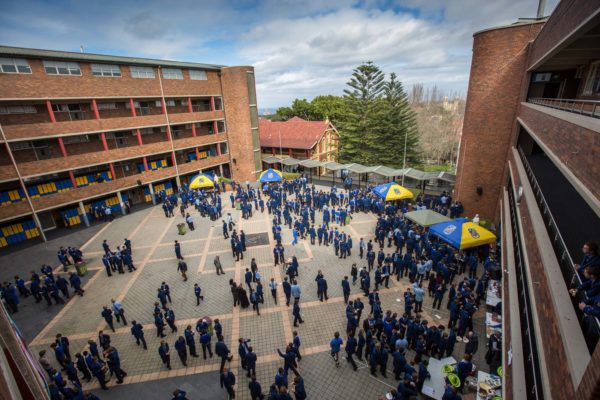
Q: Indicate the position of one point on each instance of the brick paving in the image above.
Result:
(152, 235)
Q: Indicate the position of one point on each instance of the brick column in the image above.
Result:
(86, 221)
(73, 181)
(112, 171)
(139, 136)
(132, 106)
(190, 109)
(63, 149)
(50, 111)
(212, 103)
(104, 143)
(145, 160)
(95, 108)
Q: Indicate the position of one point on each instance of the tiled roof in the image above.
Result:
(296, 133)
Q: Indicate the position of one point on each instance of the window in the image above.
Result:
(170, 103)
(592, 83)
(142, 72)
(106, 70)
(14, 66)
(76, 139)
(172, 73)
(108, 106)
(61, 68)
(196, 75)
(18, 110)
(66, 107)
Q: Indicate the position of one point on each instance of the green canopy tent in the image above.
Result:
(426, 218)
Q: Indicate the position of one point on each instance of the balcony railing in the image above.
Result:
(591, 331)
(590, 108)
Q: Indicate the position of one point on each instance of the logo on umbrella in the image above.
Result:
(396, 190)
(449, 229)
(473, 232)
(270, 175)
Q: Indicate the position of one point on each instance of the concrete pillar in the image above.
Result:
(86, 221)
(132, 106)
(190, 109)
(50, 111)
(215, 127)
(121, 202)
(152, 193)
(73, 180)
(104, 142)
(212, 103)
(95, 108)
(39, 226)
(145, 160)
(63, 149)
(139, 136)
(194, 129)
(221, 170)
(197, 154)
(112, 171)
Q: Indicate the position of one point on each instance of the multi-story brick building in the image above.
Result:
(529, 161)
(299, 139)
(85, 129)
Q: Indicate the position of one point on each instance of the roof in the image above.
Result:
(103, 58)
(295, 133)
(518, 23)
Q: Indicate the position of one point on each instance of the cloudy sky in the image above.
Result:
(299, 48)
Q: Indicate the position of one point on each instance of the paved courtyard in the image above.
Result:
(152, 236)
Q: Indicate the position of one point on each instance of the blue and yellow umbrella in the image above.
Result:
(271, 175)
(392, 191)
(461, 233)
(202, 181)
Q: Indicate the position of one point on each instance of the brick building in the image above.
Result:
(299, 139)
(81, 130)
(529, 161)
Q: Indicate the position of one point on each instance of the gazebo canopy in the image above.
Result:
(426, 217)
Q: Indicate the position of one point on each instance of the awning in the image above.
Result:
(426, 217)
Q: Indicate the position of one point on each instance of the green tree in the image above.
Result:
(360, 123)
(399, 127)
(329, 106)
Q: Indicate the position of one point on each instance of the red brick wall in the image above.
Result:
(237, 111)
(39, 85)
(499, 60)
(589, 388)
(578, 148)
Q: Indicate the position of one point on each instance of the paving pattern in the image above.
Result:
(153, 235)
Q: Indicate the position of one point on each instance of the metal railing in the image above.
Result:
(532, 370)
(590, 108)
(567, 266)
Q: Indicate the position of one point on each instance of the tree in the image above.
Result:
(399, 133)
(359, 127)
(331, 107)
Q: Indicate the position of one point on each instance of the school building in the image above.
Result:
(529, 162)
(83, 130)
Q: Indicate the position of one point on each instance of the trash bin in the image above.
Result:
(181, 229)
(81, 268)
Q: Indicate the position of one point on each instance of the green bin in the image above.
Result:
(81, 269)
(181, 229)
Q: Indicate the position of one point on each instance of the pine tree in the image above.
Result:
(398, 128)
(359, 126)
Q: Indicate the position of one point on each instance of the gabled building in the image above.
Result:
(300, 139)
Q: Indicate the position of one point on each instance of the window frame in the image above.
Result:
(172, 73)
(198, 71)
(11, 110)
(106, 70)
(137, 70)
(15, 63)
(70, 67)
(592, 82)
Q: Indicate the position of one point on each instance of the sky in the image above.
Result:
(300, 49)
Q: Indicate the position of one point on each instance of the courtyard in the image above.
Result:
(152, 236)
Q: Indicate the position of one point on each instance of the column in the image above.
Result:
(112, 171)
(190, 109)
(193, 129)
(73, 181)
(308, 153)
(218, 149)
(63, 149)
(215, 127)
(139, 136)
(145, 160)
(163, 105)
(197, 154)
(104, 142)
(273, 151)
(152, 193)
(86, 221)
(132, 106)
(169, 133)
(95, 108)
(290, 152)
(121, 203)
(50, 111)
(173, 158)
(212, 103)
(221, 170)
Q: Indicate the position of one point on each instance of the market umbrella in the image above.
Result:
(392, 191)
(461, 233)
(426, 218)
(271, 175)
(202, 181)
